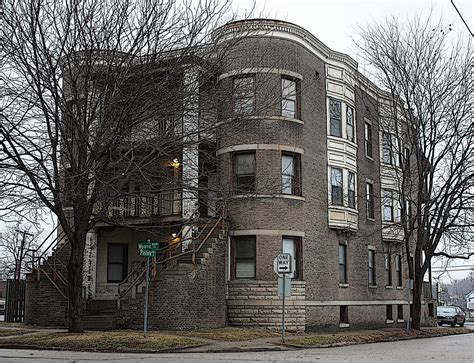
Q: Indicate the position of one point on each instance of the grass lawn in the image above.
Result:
(371, 336)
(8, 332)
(230, 333)
(11, 325)
(126, 341)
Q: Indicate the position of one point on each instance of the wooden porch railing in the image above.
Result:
(143, 205)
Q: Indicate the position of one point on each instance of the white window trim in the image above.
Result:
(344, 105)
(345, 188)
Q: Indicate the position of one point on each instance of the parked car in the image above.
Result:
(450, 315)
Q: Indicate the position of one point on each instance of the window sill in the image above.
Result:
(344, 325)
(389, 287)
(369, 157)
(371, 219)
(285, 118)
(400, 321)
(343, 285)
(388, 321)
(372, 286)
(399, 287)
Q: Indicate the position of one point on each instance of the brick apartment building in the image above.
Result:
(299, 166)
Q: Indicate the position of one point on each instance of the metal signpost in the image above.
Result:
(147, 249)
(283, 265)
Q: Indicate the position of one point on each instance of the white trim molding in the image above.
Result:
(244, 147)
(355, 302)
(278, 71)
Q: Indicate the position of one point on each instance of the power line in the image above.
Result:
(462, 18)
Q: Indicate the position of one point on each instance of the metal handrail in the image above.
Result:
(162, 261)
(142, 269)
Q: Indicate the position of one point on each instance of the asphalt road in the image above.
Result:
(458, 348)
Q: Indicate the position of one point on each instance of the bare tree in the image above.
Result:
(91, 100)
(427, 136)
(14, 244)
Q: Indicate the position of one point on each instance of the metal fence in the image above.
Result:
(15, 301)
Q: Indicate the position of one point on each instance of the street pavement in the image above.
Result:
(457, 348)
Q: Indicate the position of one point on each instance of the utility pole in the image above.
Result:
(21, 255)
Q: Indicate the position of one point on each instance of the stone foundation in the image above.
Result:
(256, 304)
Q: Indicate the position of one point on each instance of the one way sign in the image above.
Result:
(283, 263)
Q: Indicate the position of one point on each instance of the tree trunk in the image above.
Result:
(75, 287)
(416, 305)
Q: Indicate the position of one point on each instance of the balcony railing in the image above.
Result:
(145, 205)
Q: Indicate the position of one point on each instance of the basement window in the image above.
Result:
(400, 312)
(343, 316)
(389, 313)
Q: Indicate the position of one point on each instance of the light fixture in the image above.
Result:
(175, 163)
(173, 235)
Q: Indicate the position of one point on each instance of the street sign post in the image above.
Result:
(283, 265)
(147, 249)
(284, 291)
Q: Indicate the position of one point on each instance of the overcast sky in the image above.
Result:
(334, 22)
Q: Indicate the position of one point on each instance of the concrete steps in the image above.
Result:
(100, 321)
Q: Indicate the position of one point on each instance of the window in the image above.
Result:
(400, 312)
(243, 257)
(388, 268)
(336, 186)
(117, 262)
(335, 118)
(398, 269)
(407, 165)
(292, 246)
(368, 140)
(244, 172)
(431, 310)
(244, 95)
(371, 267)
(389, 313)
(351, 190)
(399, 151)
(408, 208)
(290, 174)
(387, 205)
(343, 314)
(350, 123)
(342, 263)
(370, 200)
(289, 98)
(387, 156)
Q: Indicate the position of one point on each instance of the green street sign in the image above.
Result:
(147, 253)
(150, 246)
